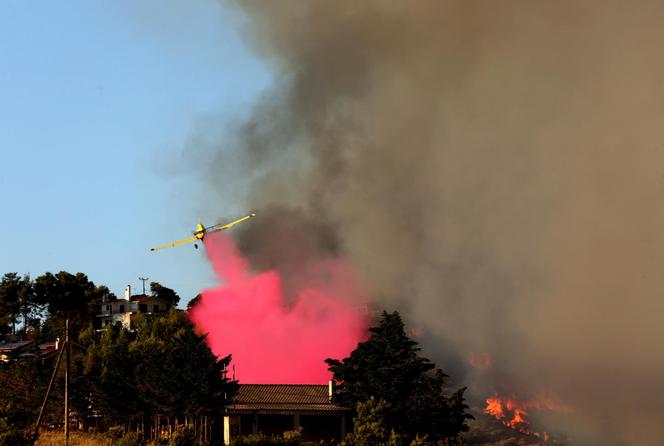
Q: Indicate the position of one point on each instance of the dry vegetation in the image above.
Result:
(57, 438)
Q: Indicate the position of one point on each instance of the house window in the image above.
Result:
(122, 309)
(143, 308)
(156, 308)
(108, 308)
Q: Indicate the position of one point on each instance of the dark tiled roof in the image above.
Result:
(15, 346)
(283, 398)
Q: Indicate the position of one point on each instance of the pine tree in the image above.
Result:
(388, 367)
(164, 293)
(10, 302)
(67, 296)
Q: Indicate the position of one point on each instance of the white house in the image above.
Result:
(122, 310)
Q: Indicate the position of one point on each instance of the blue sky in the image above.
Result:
(98, 100)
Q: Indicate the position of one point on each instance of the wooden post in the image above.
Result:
(48, 391)
(67, 365)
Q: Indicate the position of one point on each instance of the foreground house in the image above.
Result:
(275, 408)
(10, 351)
(13, 350)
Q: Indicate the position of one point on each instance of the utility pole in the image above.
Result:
(48, 391)
(143, 279)
(66, 351)
(67, 362)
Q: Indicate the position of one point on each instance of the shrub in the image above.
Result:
(14, 437)
(291, 438)
(183, 436)
(252, 440)
(161, 441)
(288, 438)
(420, 441)
(115, 433)
(130, 439)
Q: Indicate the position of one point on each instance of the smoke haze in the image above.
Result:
(495, 170)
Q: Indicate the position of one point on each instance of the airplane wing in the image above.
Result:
(220, 227)
(179, 242)
(199, 236)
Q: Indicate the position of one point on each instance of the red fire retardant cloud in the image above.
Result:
(273, 341)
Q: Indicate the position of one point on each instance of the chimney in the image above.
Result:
(127, 295)
(330, 389)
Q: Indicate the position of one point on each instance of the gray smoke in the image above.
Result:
(494, 169)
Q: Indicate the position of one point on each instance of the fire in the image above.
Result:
(494, 407)
(518, 418)
(513, 413)
(509, 411)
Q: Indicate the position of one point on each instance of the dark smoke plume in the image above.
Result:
(494, 169)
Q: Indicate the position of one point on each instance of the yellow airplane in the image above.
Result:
(201, 231)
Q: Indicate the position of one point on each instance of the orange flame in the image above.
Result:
(513, 414)
(518, 418)
(494, 407)
(508, 410)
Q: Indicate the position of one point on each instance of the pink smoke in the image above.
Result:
(272, 341)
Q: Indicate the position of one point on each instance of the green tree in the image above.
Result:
(388, 367)
(164, 293)
(67, 295)
(195, 301)
(177, 373)
(369, 426)
(10, 301)
(162, 368)
(109, 372)
(28, 306)
(23, 385)
(17, 303)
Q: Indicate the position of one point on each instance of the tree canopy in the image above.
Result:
(23, 384)
(388, 368)
(164, 293)
(161, 367)
(165, 369)
(369, 426)
(44, 303)
(195, 301)
(15, 301)
(67, 295)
